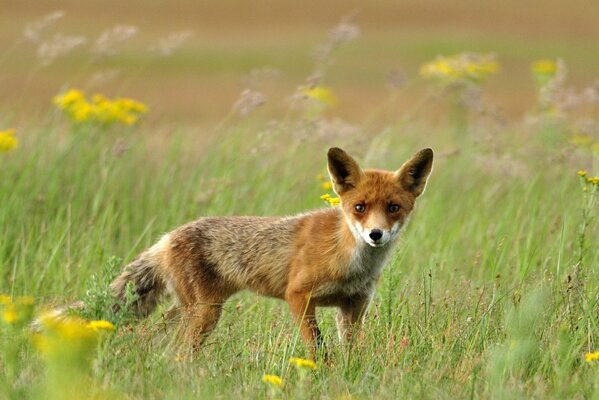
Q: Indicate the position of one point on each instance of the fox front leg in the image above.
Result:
(304, 314)
(350, 317)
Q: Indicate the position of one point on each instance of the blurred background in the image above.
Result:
(190, 60)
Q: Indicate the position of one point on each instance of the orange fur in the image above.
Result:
(330, 257)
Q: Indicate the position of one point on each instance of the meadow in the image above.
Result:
(493, 292)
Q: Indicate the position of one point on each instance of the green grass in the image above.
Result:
(484, 298)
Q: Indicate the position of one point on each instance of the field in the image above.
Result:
(494, 289)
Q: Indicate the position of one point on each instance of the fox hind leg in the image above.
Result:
(201, 319)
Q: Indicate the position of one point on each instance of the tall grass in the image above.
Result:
(493, 292)
(480, 299)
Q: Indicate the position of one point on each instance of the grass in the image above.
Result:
(481, 299)
(492, 293)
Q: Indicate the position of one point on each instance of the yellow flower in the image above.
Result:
(9, 315)
(100, 110)
(463, 66)
(547, 67)
(63, 338)
(326, 185)
(582, 173)
(321, 93)
(273, 380)
(100, 325)
(69, 98)
(594, 180)
(591, 356)
(18, 311)
(8, 140)
(334, 201)
(302, 363)
(581, 140)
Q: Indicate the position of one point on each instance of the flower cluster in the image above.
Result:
(586, 181)
(585, 141)
(543, 71)
(276, 384)
(589, 357)
(322, 94)
(325, 183)
(100, 110)
(8, 141)
(334, 201)
(18, 311)
(471, 67)
(67, 337)
(302, 363)
(273, 380)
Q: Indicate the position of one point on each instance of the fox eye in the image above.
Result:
(393, 208)
(360, 208)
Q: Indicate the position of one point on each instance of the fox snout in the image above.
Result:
(379, 237)
(375, 234)
(375, 237)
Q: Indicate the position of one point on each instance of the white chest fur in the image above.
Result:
(361, 273)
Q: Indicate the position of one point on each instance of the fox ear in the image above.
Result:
(343, 169)
(414, 172)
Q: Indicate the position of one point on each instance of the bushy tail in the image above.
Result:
(146, 285)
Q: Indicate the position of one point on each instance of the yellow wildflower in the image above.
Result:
(326, 185)
(101, 109)
(302, 363)
(582, 173)
(591, 356)
(594, 180)
(334, 201)
(543, 71)
(65, 337)
(464, 66)
(581, 140)
(100, 325)
(8, 140)
(65, 100)
(548, 67)
(273, 380)
(18, 311)
(9, 315)
(321, 93)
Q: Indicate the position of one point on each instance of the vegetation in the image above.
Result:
(493, 292)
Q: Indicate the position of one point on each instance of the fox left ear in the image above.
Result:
(414, 172)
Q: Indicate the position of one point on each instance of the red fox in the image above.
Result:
(328, 257)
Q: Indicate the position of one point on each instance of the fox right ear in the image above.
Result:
(414, 173)
(343, 169)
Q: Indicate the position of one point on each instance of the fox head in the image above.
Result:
(375, 203)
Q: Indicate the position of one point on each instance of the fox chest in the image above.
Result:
(358, 276)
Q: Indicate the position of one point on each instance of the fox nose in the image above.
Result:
(375, 234)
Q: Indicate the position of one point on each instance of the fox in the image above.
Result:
(329, 257)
